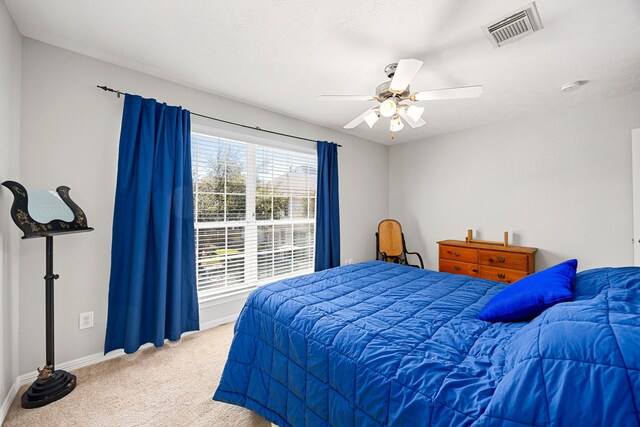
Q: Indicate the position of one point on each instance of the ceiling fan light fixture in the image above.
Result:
(396, 124)
(415, 112)
(371, 118)
(388, 107)
(394, 97)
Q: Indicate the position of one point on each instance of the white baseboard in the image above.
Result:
(8, 400)
(217, 322)
(81, 362)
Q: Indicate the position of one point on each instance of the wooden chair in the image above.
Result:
(390, 244)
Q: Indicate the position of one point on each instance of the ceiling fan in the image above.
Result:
(396, 99)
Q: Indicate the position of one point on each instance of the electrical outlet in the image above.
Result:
(350, 261)
(86, 320)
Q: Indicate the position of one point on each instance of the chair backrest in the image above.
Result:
(390, 237)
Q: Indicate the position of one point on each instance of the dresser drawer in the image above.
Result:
(500, 259)
(503, 275)
(459, 254)
(458, 267)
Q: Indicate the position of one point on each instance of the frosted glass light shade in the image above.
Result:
(415, 112)
(388, 108)
(371, 118)
(396, 124)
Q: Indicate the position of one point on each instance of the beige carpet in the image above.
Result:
(169, 386)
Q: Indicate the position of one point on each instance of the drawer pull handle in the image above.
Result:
(500, 259)
(457, 253)
(457, 267)
(501, 276)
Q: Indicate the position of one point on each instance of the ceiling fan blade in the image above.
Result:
(450, 93)
(355, 122)
(406, 71)
(409, 120)
(346, 98)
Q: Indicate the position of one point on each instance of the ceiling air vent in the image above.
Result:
(514, 26)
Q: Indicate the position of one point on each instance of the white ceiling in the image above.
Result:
(281, 55)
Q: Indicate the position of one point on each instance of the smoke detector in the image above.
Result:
(514, 26)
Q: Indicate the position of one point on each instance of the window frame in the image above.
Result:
(301, 147)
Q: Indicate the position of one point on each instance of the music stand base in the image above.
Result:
(42, 392)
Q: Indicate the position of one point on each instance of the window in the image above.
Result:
(254, 213)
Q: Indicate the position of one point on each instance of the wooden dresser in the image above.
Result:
(505, 264)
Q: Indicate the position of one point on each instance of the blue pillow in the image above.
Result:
(532, 295)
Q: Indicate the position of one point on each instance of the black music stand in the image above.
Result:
(48, 214)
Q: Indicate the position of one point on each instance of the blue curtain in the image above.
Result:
(152, 289)
(327, 208)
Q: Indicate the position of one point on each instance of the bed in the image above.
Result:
(376, 343)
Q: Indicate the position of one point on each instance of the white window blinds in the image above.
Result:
(254, 213)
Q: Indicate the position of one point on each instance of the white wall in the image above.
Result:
(10, 62)
(70, 132)
(560, 181)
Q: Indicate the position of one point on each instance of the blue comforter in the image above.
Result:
(376, 344)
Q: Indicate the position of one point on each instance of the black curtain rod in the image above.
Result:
(117, 92)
